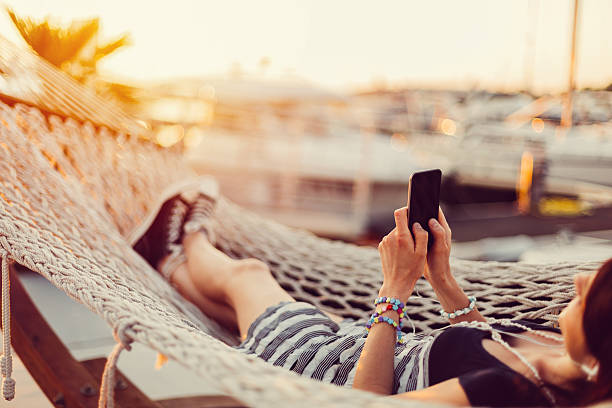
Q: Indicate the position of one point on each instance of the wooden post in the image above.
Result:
(60, 377)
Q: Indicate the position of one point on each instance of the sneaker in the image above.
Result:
(163, 237)
(199, 216)
(161, 232)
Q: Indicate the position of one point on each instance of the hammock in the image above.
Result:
(72, 191)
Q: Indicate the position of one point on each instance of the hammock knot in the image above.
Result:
(3, 243)
(8, 388)
(6, 364)
(120, 333)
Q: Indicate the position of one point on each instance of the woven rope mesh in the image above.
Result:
(345, 279)
(71, 192)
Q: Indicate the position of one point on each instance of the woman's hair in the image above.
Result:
(598, 333)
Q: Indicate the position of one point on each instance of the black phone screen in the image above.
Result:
(424, 199)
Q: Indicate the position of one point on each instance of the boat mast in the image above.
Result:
(566, 116)
(533, 13)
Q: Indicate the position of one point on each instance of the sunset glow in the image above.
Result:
(344, 44)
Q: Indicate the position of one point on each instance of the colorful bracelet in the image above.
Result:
(399, 310)
(379, 319)
(392, 304)
(390, 300)
(376, 318)
(459, 312)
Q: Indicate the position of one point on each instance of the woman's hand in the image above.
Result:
(438, 265)
(439, 276)
(402, 258)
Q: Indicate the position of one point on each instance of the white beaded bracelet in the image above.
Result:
(459, 312)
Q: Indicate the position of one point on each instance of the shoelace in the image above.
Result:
(175, 223)
(200, 213)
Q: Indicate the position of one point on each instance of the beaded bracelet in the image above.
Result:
(395, 308)
(376, 318)
(459, 312)
(390, 300)
(392, 304)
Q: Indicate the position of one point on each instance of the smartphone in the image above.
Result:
(424, 199)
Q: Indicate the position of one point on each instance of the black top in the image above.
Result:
(458, 352)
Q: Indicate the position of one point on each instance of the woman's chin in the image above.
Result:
(561, 319)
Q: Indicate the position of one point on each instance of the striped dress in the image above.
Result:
(301, 338)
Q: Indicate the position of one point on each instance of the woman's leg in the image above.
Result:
(246, 285)
(233, 292)
(223, 314)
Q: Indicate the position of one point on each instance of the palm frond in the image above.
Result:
(111, 46)
(56, 44)
(75, 49)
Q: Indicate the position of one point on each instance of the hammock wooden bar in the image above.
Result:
(73, 186)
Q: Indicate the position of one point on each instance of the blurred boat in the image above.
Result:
(338, 165)
(578, 160)
(330, 185)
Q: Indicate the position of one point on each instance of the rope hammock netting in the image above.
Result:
(72, 192)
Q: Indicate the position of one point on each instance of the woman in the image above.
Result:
(468, 363)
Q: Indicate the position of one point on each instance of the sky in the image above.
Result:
(489, 44)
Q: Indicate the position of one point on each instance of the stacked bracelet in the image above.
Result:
(459, 312)
(392, 304)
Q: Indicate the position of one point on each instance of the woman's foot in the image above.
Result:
(199, 215)
(163, 234)
(160, 234)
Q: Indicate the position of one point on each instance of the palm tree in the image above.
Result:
(76, 50)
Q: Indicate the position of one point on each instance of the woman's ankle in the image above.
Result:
(195, 240)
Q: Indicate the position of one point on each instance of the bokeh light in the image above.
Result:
(537, 125)
(169, 135)
(399, 142)
(448, 127)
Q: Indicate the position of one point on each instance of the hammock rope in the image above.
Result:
(6, 361)
(107, 387)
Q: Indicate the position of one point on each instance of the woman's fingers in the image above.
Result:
(437, 231)
(420, 239)
(444, 223)
(442, 220)
(401, 220)
(401, 225)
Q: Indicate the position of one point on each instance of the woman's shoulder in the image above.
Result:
(513, 326)
(455, 335)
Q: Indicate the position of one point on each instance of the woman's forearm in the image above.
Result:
(375, 366)
(452, 297)
(376, 363)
